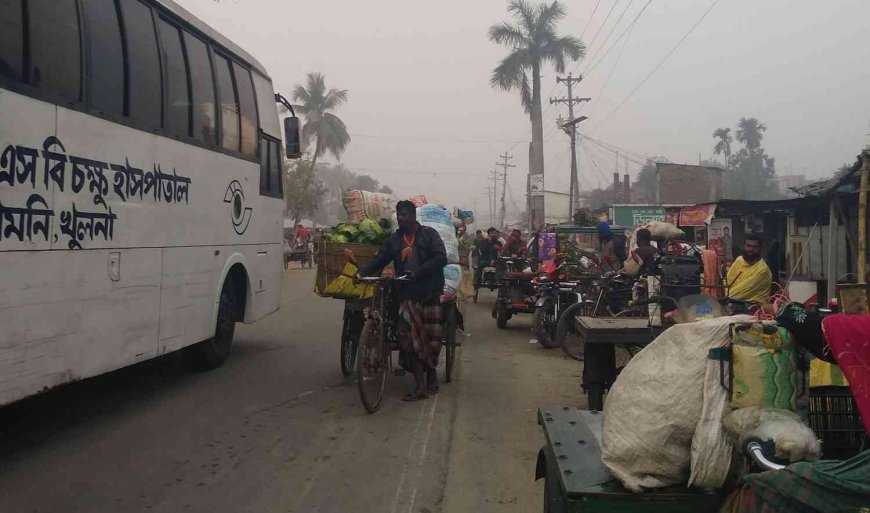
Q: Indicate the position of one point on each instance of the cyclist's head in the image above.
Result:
(406, 214)
(516, 234)
(752, 247)
(491, 231)
(644, 236)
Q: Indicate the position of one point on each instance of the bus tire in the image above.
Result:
(211, 354)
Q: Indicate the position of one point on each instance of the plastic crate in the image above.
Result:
(834, 416)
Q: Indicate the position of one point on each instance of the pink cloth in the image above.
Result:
(849, 339)
(711, 273)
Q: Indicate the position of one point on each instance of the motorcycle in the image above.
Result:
(555, 295)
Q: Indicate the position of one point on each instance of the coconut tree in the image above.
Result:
(533, 42)
(723, 142)
(750, 132)
(322, 128)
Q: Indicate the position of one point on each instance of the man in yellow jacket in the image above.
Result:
(749, 277)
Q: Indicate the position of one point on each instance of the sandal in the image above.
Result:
(432, 390)
(415, 396)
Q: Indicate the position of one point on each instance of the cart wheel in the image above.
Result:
(450, 341)
(501, 315)
(543, 322)
(566, 333)
(595, 396)
(372, 366)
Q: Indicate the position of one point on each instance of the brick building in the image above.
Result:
(683, 184)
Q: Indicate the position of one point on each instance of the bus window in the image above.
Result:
(264, 166)
(11, 40)
(202, 87)
(275, 169)
(248, 108)
(105, 62)
(266, 108)
(270, 168)
(144, 90)
(177, 116)
(55, 48)
(229, 104)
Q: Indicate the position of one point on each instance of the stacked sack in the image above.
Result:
(363, 204)
(439, 219)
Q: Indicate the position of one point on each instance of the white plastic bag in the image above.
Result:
(438, 218)
(793, 439)
(452, 281)
(653, 410)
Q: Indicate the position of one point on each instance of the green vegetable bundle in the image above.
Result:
(368, 231)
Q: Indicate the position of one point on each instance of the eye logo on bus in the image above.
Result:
(241, 214)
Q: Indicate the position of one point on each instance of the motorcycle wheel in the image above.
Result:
(501, 315)
(544, 323)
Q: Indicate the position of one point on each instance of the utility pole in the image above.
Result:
(489, 192)
(504, 164)
(571, 129)
(494, 198)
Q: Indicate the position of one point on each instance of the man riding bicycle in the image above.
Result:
(418, 252)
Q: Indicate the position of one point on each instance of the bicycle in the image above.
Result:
(380, 337)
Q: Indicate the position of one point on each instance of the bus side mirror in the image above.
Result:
(292, 138)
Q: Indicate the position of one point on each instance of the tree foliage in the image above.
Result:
(302, 190)
(532, 39)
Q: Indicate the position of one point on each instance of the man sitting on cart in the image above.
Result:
(418, 252)
(515, 246)
(487, 253)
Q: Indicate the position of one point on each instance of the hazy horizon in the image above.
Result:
(424, 120)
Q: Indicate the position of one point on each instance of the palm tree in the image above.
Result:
(750, 132)
(532, 41)
(322, 127)
(723, 142)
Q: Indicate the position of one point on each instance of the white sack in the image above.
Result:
(712, 450)
(452, 281)
(794, 440)
(438, 218)
(663, 230)
(654, 407)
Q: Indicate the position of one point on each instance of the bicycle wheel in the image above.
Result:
(449, 341)
(372, 364)
(566, 333)
(350, 335)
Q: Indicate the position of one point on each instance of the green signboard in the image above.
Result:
(636, 215)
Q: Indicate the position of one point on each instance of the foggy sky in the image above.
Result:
(420, 103)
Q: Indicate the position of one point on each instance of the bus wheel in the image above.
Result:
(210, 354)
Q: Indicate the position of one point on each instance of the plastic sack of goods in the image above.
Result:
(363, 204)
(452, 281)
(660, 427)
(439, 218)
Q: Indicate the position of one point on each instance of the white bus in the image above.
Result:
(141, 200)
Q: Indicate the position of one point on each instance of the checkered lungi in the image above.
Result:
(421, 331)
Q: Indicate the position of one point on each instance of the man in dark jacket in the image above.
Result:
(418, 252)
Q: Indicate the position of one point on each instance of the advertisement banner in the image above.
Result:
(546, 247)
(719, 238)
(697, 215)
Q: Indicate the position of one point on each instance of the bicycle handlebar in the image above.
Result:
(374, 279)
(754, 448)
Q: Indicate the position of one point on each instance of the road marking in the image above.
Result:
(417, 470)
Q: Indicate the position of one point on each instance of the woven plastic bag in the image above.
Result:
(653, 411)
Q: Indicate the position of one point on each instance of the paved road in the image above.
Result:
(277, 428)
